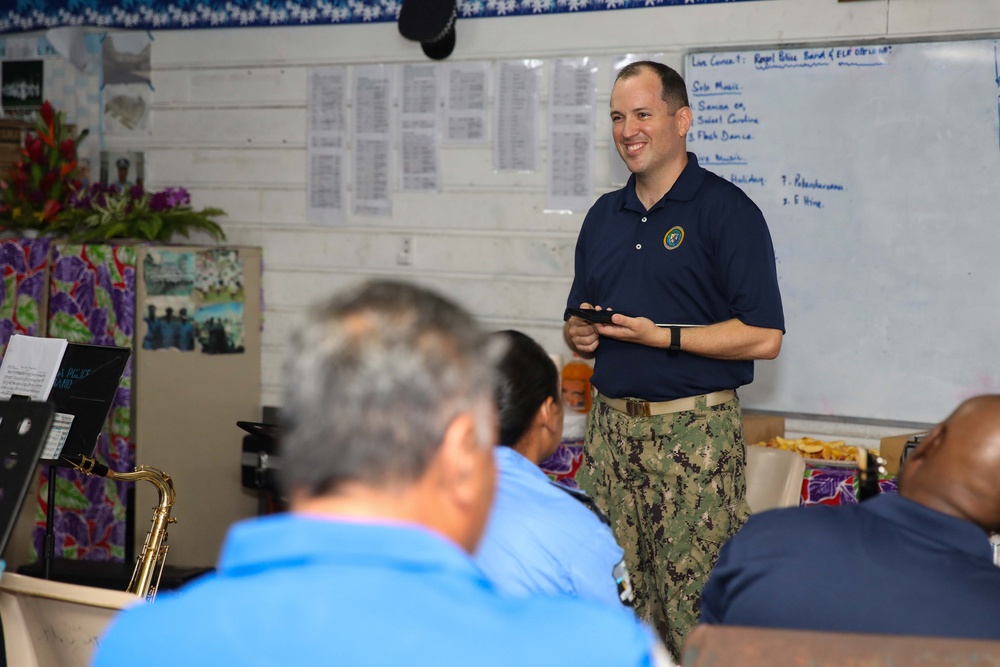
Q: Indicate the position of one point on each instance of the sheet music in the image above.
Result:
(29, 369)
(58, 434)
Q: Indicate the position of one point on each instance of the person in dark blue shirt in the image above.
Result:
(185, 331)
(153, 340)
(169, 327)
(917, 563)
(684, 260)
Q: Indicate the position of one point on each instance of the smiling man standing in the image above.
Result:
(685, 259)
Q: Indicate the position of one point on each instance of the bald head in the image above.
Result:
(956, 469)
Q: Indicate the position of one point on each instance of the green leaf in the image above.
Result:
(100, 254)
(8, 302)
(66, 326)
(126, 255)
(111, 231)
(121, 339)
(121, 422)
(43, 492)
(27, 311)
(104, 301)
(144, 228)
(157, 227)
(111, 491)
(69, 496)
(70, 249)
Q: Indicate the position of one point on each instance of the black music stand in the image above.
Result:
(24, 427)
(261, 464)
(84, 389)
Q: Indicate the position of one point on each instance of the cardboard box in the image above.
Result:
(891, 449)
(761, 428)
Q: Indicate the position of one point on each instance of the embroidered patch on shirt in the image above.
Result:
(673, 238)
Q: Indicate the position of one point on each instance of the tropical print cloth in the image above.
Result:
(25, 265)
(837, 486)
(91, 299)
(562, 466)
(26, 15)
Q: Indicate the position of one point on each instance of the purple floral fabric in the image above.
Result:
(562, 465)
(92, 300)
(25, 265)
(837, 486)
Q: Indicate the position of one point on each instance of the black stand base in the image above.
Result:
(105, 574)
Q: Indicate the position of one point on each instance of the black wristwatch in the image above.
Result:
(675, 339)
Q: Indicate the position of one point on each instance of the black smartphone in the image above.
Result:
(599, 316)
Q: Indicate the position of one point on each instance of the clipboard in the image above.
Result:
(83, 392)
(24, 427)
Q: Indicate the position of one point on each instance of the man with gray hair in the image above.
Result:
(388, 464)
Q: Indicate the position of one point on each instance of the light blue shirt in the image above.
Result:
(297, 590)
(542, 540)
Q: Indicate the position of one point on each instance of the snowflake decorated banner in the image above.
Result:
(28, 15)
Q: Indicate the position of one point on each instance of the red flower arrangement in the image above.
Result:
(43, 193)
(39, 183)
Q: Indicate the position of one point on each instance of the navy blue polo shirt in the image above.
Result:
(700, 255)
(889, 566)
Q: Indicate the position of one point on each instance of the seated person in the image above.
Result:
(917, 563)
(543, 537)
(388, 463)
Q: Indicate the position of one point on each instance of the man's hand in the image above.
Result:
(634, 330)
(580, 335)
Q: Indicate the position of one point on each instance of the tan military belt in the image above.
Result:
(636, 408)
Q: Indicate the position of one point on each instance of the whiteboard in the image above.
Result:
(877, 168)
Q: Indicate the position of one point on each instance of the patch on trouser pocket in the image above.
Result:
(625, 591)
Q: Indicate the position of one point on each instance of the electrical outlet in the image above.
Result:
(405, 255)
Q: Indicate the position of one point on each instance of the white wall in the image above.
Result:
(230, 121)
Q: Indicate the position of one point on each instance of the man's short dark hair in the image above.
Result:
(672, 88)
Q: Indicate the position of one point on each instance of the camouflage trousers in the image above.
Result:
(674, 489)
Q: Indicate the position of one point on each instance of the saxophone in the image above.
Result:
(149, 565)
